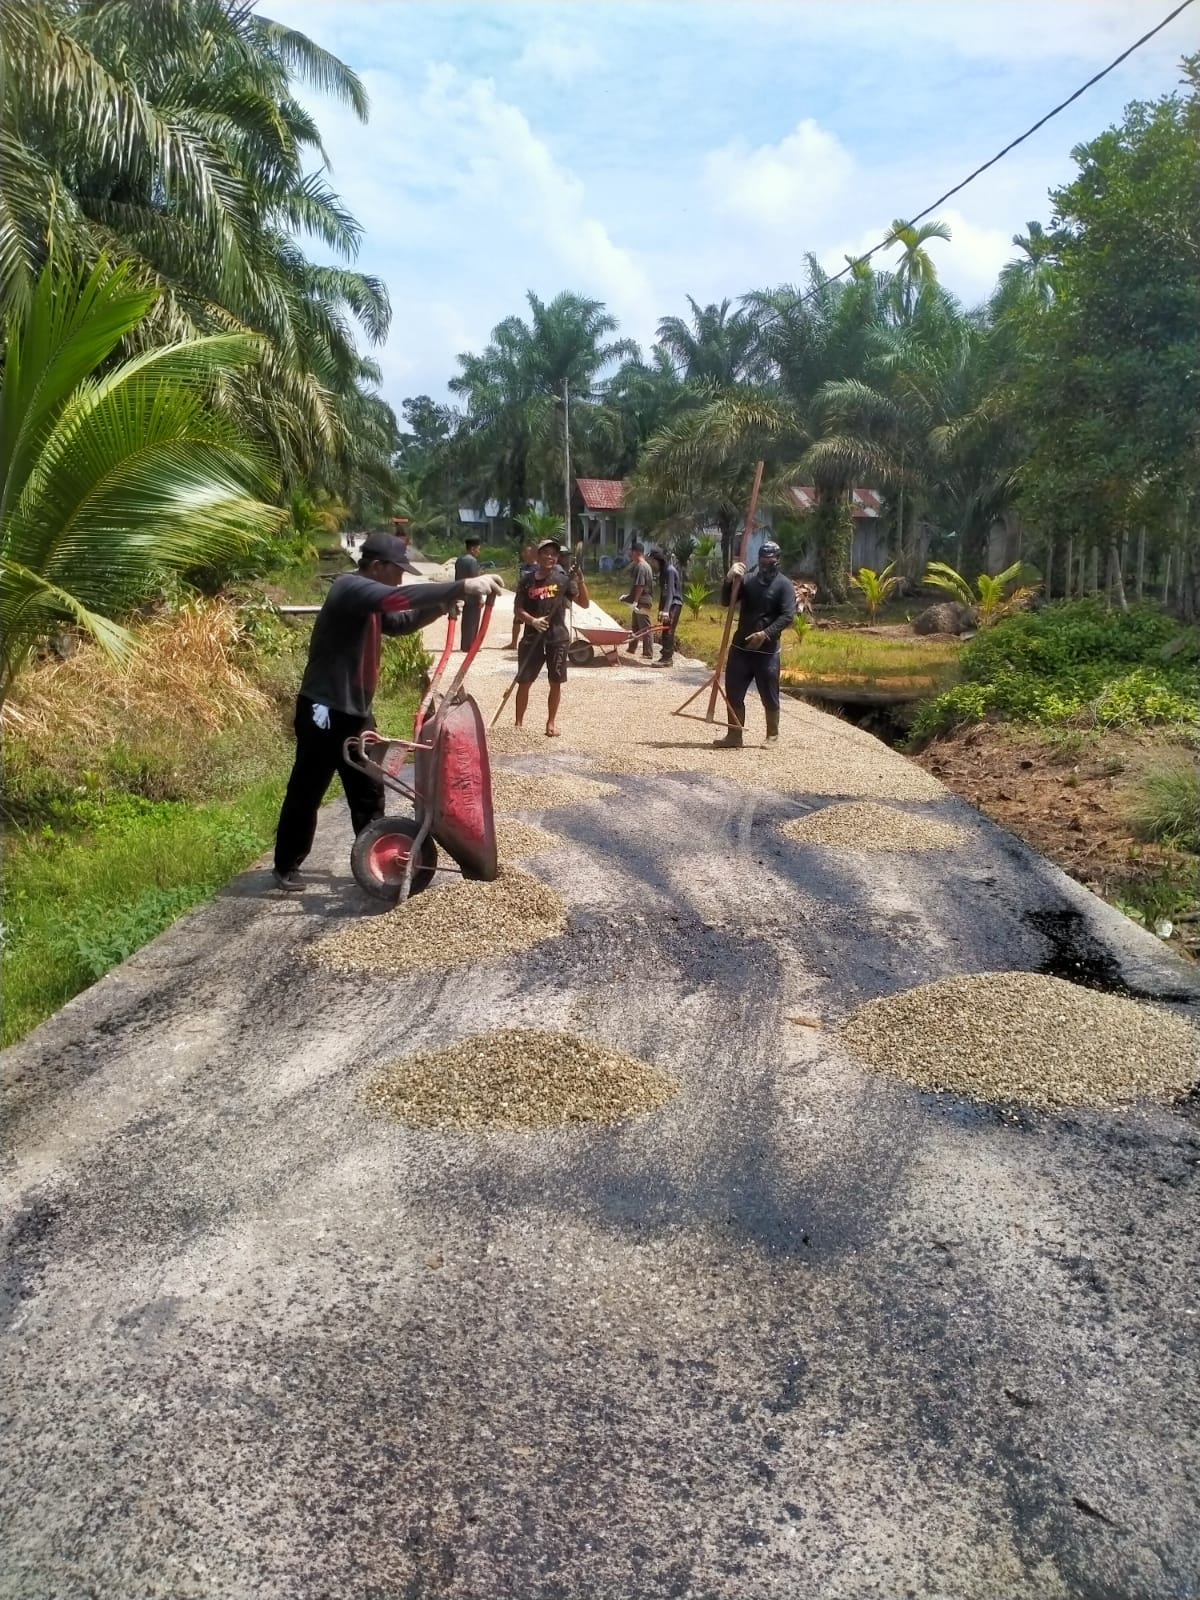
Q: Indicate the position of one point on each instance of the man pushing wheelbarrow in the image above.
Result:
(338, 687)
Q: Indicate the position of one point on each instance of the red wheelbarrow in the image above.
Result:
(608, 641)
(448, 784)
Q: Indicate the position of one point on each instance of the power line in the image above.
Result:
(1000, 154)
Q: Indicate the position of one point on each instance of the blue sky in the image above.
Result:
(641, 152)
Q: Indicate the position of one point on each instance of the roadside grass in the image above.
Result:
(131, 796)
(836, 658)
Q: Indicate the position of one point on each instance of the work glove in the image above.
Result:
(480, 588)
(321, 717)
(737, 570)
(664, 617)
(541, 624)
(755, 640)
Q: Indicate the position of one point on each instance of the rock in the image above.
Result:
(947, 616)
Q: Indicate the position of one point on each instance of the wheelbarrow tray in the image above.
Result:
(605, 636)
(454, 782)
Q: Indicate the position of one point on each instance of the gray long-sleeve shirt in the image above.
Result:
(670, 587)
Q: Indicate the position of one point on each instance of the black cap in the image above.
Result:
(555, 544)
(472, 538)
(386, 547)
(638, 545)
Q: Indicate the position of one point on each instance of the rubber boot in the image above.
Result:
(772, 727)
(731, 741)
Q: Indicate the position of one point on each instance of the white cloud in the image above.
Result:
(780, 186)
(559, 56)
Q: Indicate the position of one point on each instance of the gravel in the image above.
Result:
(527, 791)
(863, 825)
(519, 1078)
(1024, 1037)
(450, 925)
(817, 754)
(515, 839)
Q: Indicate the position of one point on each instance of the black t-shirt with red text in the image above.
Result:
(347, 636)
(547, 596)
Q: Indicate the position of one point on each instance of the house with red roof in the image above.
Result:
(600, 517)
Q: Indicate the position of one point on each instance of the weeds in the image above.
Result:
(1167, 808)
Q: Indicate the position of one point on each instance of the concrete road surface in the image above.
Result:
(805, 1333)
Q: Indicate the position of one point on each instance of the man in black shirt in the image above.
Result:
(541, 605)
(767, 609)
(467, 566)
(339, 682)
(670, 602)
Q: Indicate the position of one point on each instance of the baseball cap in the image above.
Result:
(555, 544)
(387, 547)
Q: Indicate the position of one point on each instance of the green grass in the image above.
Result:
(109, 838)
(1167, 808)
(849, 659)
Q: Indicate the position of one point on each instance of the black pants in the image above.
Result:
(318, 757)
(760, 667)
(470, 623)
(668, 634)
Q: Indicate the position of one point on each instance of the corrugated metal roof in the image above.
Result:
(602, 494)
(866, 502)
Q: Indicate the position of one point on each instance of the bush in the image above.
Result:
(405, 663)
(1073, 661)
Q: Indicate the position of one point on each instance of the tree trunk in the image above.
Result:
(1067, 569)
(1081, 574)
(1094, 570)
(726, 524)
(1166, 582)
(1141, 562)
(1048, 581)
(1116, 583)
(833, 531)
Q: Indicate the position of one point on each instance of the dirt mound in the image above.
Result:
(863, 825)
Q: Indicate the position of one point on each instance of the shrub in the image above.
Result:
(1072, 661)
(1167, 808)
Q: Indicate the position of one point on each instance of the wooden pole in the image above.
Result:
(714, 683)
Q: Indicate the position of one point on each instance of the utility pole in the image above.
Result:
(567, 463)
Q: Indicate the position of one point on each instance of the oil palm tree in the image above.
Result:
(167, 132)
(534, 383)
(111, 474)
(718, 348)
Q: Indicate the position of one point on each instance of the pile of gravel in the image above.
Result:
(864, 825)
(515, 839)
(527, 791)
(454, 924)
(1020, 1036)
(519, 1078)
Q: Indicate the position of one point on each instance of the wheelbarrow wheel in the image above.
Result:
(380, 856)
(579, 652)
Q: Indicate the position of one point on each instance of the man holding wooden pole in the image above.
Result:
(767, 609)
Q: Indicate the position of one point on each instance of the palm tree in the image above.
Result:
(112, 474)
(167, 132)
(915, 272)
(533, 383)
(717, 349)
(1031, 275)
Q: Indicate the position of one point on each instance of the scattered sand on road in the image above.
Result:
(519, 1078)
(456, 924)
(529, 791)
(863, 825)
(1021, 1036)
(515, 839)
